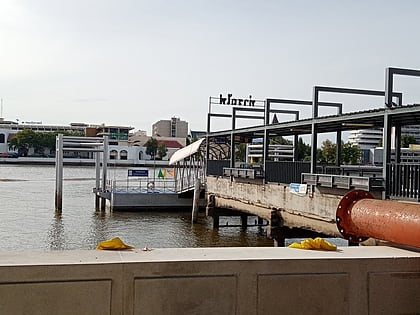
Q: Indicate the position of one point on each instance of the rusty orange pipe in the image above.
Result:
(359, 217)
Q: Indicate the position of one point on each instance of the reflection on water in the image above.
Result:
(28, 219)
(56, 233)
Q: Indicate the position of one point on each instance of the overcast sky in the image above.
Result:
(133, 62)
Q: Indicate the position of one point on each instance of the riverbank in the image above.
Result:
(81, 162)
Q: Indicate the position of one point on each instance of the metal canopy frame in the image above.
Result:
(315, 106)
(389, 120)
(393, 114)
(406, 115)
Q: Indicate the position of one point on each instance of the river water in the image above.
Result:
(28, 220)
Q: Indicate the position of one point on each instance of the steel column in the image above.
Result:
(397, 144)
(266, 143)
(314, 143)
(386, 152)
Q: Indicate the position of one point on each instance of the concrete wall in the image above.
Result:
(315, 210)
(352, 280)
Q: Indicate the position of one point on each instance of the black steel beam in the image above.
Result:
(389, 82)
(269, 101)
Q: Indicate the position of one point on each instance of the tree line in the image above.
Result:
(350, 153)
(43, 143)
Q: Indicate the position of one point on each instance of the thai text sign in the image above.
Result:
(229, 100)
(142, 173)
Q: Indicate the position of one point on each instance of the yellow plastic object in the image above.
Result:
(318, 243)
(114, 243)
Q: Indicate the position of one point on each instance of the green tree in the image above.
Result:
(49, 140)
(350, 153)
(191, 139)
(39, 141)
(279, 140)
(406, 140)
(320, 156)
(329, 150)
(162, 150)
(303, 150)
(240, 154)
(23, 141)
(151, 147)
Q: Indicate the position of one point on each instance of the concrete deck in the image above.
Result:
(352, 280)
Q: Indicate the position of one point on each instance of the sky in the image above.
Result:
(134, 62)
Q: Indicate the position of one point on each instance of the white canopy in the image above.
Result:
(186, 152)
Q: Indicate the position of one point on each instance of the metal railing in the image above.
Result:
(403, 180)
(215, 167)
(285, 172)
(344, 182)
(251, 173)
(142, 185)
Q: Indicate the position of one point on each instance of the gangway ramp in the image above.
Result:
(189, 166)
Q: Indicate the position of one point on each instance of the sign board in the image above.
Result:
(299, 189)
(220, 140)
(233, 101)
(142, 173)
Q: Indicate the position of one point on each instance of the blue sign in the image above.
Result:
(143, 173)
(220, 140)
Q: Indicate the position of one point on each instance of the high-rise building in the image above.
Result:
(370, 138)
(173, 127)
(365, 138)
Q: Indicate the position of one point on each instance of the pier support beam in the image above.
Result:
(97, 202)
(275, 230)
(244, 221)
(216, 221)
(277, 234)
(196, 200)
(97, 180)
(59, 173)
(103, 204)
(211, 211)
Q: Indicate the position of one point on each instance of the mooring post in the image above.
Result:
(97, 179)
(196, 200)
(104, 171)
(59, 173)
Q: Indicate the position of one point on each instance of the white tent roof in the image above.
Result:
(186, 152)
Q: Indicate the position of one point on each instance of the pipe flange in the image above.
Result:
(343, 214)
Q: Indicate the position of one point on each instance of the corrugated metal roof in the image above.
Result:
(401, 115)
